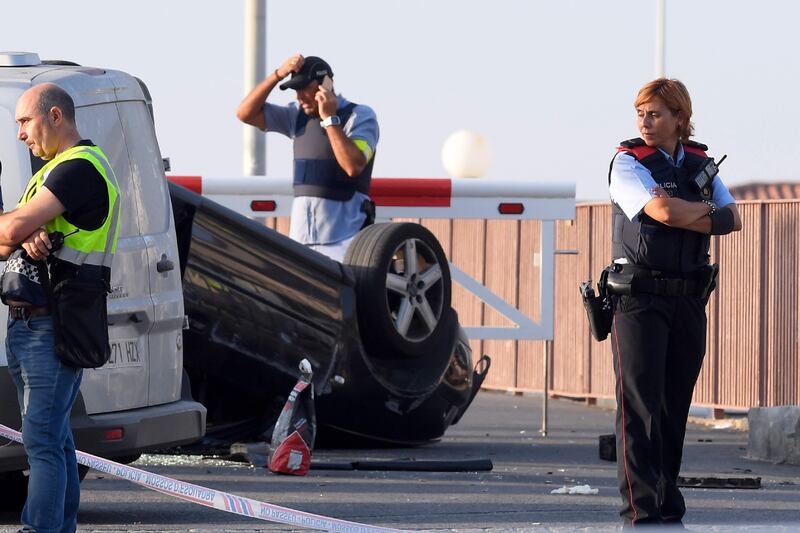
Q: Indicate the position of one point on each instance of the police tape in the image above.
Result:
(215, 499)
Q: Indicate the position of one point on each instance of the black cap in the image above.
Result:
(313, 68)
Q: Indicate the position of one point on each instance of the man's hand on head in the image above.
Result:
(292, 64)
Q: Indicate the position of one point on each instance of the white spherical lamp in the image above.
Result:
(465, 154)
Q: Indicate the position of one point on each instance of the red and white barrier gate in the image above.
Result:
(260, 196)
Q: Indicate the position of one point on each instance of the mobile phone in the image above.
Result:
(327, 82)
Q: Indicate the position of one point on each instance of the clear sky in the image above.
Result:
(549, 84)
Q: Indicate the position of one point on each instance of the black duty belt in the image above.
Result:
(634, 279)
(668, 286)
(26, 312)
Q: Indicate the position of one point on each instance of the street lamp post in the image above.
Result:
(254, 154)
(660, 27)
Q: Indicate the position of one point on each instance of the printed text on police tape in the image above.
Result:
(222, 501)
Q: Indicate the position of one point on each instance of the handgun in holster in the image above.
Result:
(368, 207)
(598, 307)
(710, 283)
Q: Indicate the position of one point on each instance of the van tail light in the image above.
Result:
(114, 434)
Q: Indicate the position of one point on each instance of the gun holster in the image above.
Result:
(599, 310)
(711, 282)
(368, 207)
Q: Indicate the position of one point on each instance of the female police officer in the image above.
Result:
(662, 218)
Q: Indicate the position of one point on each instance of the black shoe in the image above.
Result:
(646, 524)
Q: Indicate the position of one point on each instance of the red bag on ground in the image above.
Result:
(292, 456)
(295, 430)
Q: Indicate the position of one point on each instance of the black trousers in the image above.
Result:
(658, 344)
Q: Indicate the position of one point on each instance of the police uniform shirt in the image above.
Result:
(632, 184)
(321, 220)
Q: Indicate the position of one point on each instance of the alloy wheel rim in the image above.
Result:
(414, 290)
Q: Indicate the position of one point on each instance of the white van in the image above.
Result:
(139, 400)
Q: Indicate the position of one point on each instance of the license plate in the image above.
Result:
(124, 352)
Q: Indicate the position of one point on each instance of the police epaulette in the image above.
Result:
(632, 143)
(695, 144)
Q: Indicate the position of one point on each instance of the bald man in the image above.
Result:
(74, 193)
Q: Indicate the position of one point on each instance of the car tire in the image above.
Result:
(402, 312)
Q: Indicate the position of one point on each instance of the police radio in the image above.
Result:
(57, 239)
(708, 169)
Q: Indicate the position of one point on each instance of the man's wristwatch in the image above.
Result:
(332, 120)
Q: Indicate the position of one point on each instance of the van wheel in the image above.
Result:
(15, 491)
(15, 488)
(403, 289)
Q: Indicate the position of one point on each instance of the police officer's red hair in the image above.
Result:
(675, 96)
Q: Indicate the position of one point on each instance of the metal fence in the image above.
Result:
(753, 347)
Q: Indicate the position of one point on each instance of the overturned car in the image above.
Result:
(390, 361)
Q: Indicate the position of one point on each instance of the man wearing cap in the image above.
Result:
(334, 150)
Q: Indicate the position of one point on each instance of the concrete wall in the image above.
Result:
(774, 434)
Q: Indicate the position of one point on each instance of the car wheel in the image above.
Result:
(403, 289)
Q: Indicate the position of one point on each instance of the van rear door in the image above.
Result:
(16, 166)
(123, 382)
(165, 337)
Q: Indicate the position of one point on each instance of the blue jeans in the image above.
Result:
(46, 390)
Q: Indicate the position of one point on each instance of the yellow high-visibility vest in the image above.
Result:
(91, 247)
